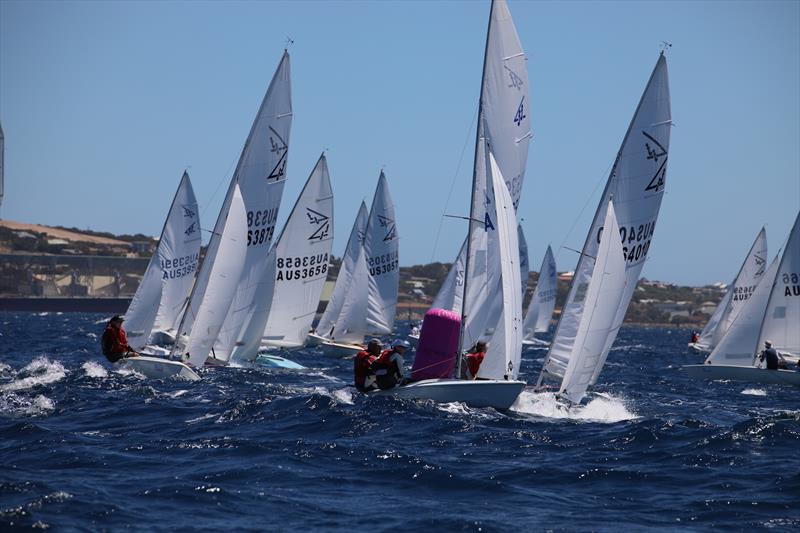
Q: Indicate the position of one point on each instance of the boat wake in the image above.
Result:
(601, 408)
(754, 392)
(94, 370)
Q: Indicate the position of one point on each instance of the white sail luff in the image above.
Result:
(355, 243)
(603, 296)
(451, 292)
(543, 301)
(351, 326)
(381, 246)
(222, 281)
(141, 313)
(505, 347)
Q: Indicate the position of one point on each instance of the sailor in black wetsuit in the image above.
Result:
(770, 354)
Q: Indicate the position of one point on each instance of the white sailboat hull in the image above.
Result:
(312, 339)
(335, 349)
(743, 373)
(500, 394)
(697, 348)
(158, 368)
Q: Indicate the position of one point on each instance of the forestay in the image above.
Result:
(543, 301)
(381, 247)
(750, 273)
(636, 183)
(168, 279)
(302, 258)
(505, 347)
(782, 319)
(222, 280)
(739, 344)
(606, 287)
(344, 279)
(260, 175)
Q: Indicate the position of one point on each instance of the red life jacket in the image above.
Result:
(361, 368)
(474, 361)
(114, 341)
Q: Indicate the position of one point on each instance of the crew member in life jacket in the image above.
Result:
(114, 341)
(363, 375)
(388, 368)
(471, 362)
(695, 337)
(770, 354)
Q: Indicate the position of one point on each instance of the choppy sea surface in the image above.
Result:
(86, 446)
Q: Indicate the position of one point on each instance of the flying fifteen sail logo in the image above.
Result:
(321, 224)
(280, 149)
(520, 115)
(516, 81)
(655, 152)
(189, 213)
(388, 223)
(191, 229)
(761, 262)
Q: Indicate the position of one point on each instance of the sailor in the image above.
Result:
(415, 330)
(363, 375)
(769, 354)
(388, 367)
(471, 362)
(115, 342)
(695, 337)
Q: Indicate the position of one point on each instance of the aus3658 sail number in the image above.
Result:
(635, 240)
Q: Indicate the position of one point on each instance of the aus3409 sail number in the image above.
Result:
(635, 240)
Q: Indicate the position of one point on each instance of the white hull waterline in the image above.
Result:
(499, 394)
(314, 340)
(276, 361)
(743, 373)
(335, 349)
(158, 368)
(697, 348)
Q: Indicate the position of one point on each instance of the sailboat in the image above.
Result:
(166, 283)
(216, 299)
(543, 301)
(771, 313)
(739, 291)
(382, 252)
(297, 267)
(260, 176)
(636, 184)
(344, 323)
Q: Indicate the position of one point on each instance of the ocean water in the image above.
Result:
(86, 446)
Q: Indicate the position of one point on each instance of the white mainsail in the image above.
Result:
(260, 175)
(745, 284)
(782, 319)
(636, 183)
(343, 280)
(170, 273)
(505, 347)
(543, 301)
(739, 344)
(381, 246)
(223, 277)
(606, 288)
(504, 120)
(302, 257)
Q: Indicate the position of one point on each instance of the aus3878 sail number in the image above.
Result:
(635, 240)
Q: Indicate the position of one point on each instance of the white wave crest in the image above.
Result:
(338, 395)
(40, 371)
(94, 369)
(14, 405)
(601, 408)
(754, 392)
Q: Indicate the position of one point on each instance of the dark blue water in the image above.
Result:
(83, 446)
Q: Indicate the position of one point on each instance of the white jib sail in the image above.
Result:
(222, 281)
(260, 175)
(354, 244)
(451, 292)
(381, 246)
(706, 341)
(302, 257)
(754, 266)
(170, 272)
(606, 288)
(739, 344)
(543, 301)
(782, 320)
(505, 347)
(351, 326)
(636, 183)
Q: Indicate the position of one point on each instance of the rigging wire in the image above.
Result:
(453, 184)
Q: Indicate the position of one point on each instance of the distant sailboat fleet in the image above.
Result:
(249, 293)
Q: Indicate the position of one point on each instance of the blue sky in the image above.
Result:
(104, 103)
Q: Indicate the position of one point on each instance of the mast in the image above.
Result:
(478, 133)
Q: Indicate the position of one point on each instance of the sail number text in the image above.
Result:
(792, 282)
(635, 240)
(308, 266)
(383, 264)
(261, 226)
